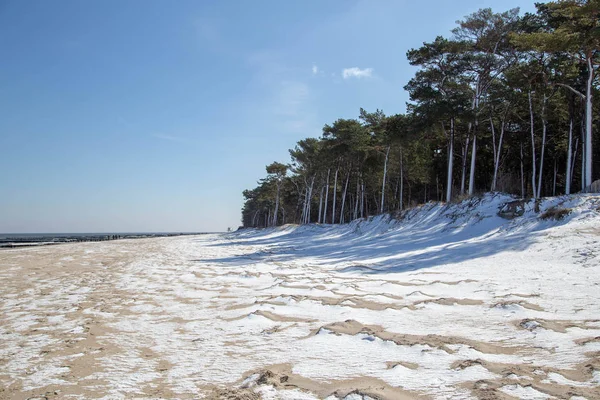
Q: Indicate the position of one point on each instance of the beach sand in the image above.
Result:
(259, 316)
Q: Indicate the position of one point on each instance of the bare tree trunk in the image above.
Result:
(569, 155)
(334, 196)
(583, 155)
(533, 175)
(502, 130)
(298, 202)
(472, 171)
(276, 204)
(588, 123)
(396, 189)
(310, 191)
(326, 198)
(357, 197)
(522, 174)
(450, 162)
(305, 205)
(362, 199)
(312, 185)
(464, 164)
(497, 152)
(307, 201)
(474, 151)
(493, 143)
(401, 182)
(387, 155)
(576, 148)
(586, 161)
(344, 198)
(320, 204)
(544, 129)
(554, 181)
(376, 203)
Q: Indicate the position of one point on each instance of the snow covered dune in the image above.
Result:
(443, 302)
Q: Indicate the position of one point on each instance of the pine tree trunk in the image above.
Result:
(497, 166)
(493, 188)
(554, 181)
(344, 198)
(474, 151)
(387, 155)
(375, 197)
(472, 171)
(310, 191)
(522, 174)
(401, 182)
(464, 164)
(326, 198)
(588, 123)
(569, 155)
(357, 197)
(497, 150)
(533, 175)
(544, 129)
(305, 205)
(576, 149)
(334, 196)
(276, 204)
(450, 162)
(396, 189)
(362, 199)
(320, 204)
(583, 158)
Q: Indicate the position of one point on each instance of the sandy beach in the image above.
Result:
(371, 310)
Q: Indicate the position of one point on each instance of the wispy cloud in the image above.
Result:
(355, 72)
(291, 98)
(283, 95)
(170, 138)
(291, 106)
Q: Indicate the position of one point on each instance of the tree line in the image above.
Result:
(505, 103)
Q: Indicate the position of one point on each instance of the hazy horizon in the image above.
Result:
(5, 234)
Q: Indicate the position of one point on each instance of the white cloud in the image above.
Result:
(315, 69)
(356, 72)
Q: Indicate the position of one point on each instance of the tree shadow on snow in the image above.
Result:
(394, 249)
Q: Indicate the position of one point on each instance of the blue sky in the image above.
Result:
(144, 115)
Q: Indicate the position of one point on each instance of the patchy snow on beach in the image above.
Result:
(448, 301)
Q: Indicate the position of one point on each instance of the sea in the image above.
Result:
(23, 239)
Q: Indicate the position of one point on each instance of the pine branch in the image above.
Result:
(577, 92)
